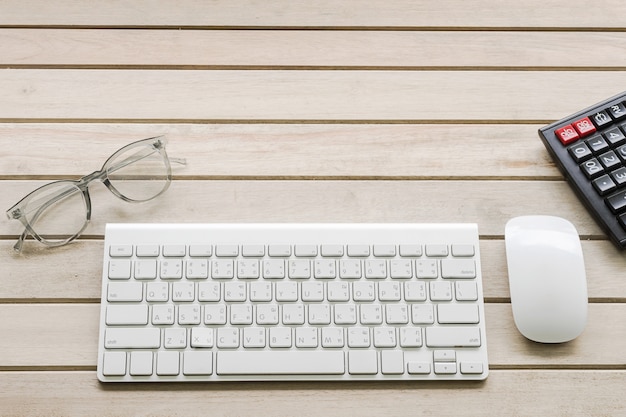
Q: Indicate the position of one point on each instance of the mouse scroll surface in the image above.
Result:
(547, 278)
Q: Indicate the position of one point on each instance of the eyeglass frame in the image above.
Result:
(16, 212)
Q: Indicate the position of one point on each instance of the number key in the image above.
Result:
(579, 152)
(592, 168)
(597, 144)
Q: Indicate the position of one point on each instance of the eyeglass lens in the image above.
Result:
(138, 174)
(57, 212)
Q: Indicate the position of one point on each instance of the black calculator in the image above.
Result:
(589, 147)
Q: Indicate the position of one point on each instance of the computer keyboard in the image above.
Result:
(222, 302)
(589, 147)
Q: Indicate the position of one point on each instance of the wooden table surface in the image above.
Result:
(305, 111)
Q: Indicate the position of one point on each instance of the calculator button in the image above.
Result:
(601, 118)
(614, 136)
(609, 160)
(566, 134)
(580, 152)
(584, 127)
(592, 168)
(617, 111)
(597, 144)
(617, 202)
(621, 152)
(619, 176)
(604, 184)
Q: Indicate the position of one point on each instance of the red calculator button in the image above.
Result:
(584, 127)
(566, 134)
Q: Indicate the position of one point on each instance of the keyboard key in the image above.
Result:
(253, 250)
(436, 250)
(198, 362)
(452, 336)
(411, 250)
(445, 368)
(200, 250)
(418, 368)
(471, 368)
(280, 362)
(149, 251)
(463, 250)
(117, 251)
(167, 363)
(358, 250)
(384, 250)
(119, 269)
(392, 362)
(141, 363)
(362, 362)
(114, 364)
(132, 337)
(457, 313)
(174, 250)
(458, 268)
(332, 250)
(306, 250)
(279, 250)
(226, 251)
(124, 291)
(126, 314)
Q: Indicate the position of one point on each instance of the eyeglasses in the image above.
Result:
(57, 213)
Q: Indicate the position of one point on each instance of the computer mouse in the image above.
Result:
(547, 278)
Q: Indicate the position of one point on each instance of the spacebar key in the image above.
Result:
(285, 362)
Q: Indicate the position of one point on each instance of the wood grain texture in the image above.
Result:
(489, 203)
(506, 392)
(320, 14)
(43, 336)
(94, 48)
(300, 111)
(294, 151)
(289, 95)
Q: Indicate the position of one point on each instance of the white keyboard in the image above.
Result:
(221, 302)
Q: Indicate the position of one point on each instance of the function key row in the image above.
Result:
(588, 125)
(281, 251)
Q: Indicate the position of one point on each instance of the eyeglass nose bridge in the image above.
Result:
(87, 179)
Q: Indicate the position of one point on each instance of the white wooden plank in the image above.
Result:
(287, 150)
(324, 13)
(302, 48)
(490, 204)
(301, 95)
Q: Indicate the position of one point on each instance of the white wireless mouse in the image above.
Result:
(546, 277)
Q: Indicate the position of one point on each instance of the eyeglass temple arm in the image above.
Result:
(132, 160)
